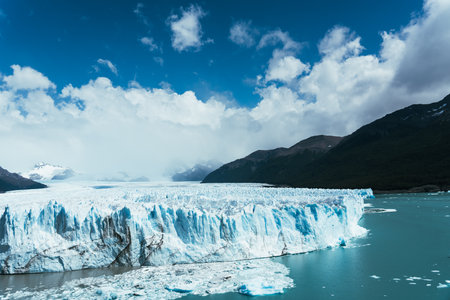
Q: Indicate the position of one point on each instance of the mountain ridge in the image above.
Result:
(252, 167)
(13, 181)
(403, 150)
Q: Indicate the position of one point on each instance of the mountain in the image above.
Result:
(274, 166)
(12, 181)
(404, 150)
(196, 173)
(44, 171)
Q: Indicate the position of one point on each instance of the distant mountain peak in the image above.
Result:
(46, 171)
(197, 172)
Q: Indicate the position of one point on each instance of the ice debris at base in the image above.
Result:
(71, 226)
(260, 287)
(170, 282)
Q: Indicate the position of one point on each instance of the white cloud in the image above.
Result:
(186, 29)
(426, 61)
(285, 68)
(242, 34)
(26, 78)
(149, 42)
(340, 43)
(277, 36)
(108, 64)
(145, 131)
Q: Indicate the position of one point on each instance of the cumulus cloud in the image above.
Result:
(108, 64)
(99, 127)
(283, 66)
(242, 34)
(340, 43)
(186, 29)
(26, 78)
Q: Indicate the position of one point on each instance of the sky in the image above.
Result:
(153, 87)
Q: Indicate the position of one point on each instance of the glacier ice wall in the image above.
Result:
(77, 226)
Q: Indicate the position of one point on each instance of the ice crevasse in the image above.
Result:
(76, 226)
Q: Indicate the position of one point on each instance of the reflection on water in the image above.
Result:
(11, 283)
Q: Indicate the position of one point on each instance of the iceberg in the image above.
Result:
(72, 226)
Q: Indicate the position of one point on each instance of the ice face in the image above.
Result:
(77, 226)
(170, 282)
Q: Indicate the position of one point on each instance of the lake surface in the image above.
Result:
(406, 255)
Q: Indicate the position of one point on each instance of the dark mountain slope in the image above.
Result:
(403, 150)
(406, 149)
(273, 166)
(12, 181)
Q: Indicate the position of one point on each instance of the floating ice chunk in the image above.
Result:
(412, 278)
(375, 277)
(379, 210)
(258, 288)
(435, 271)
(179, 290)
(442, 285)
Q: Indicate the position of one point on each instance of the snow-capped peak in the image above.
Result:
(45, 171)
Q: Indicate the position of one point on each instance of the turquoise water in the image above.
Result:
(407, 244)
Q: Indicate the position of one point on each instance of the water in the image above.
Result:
(410, 243)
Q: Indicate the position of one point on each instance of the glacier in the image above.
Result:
(72, 226)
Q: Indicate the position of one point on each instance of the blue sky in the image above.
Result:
(64, 39)
(151, 88)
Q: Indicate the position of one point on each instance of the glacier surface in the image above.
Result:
(71, 226)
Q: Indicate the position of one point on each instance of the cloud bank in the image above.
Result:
(102, 128)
